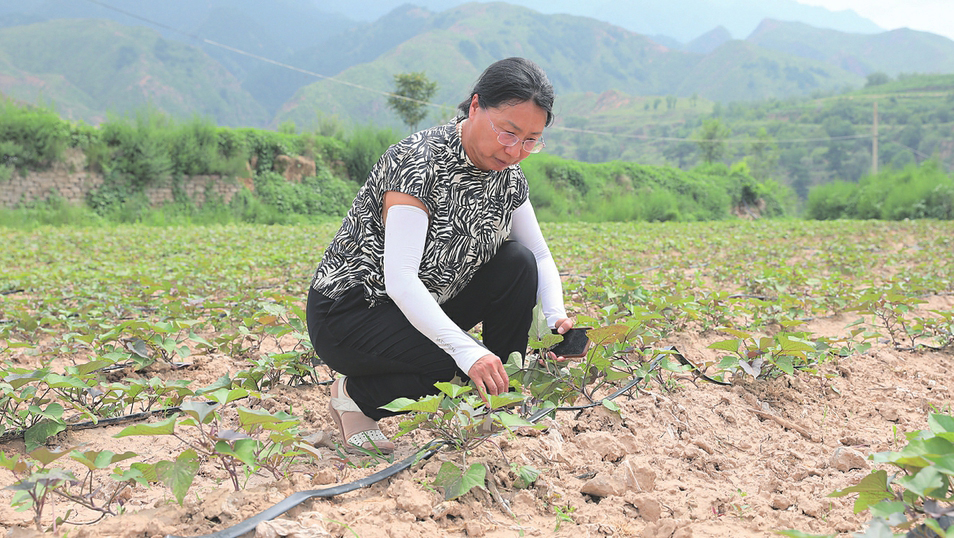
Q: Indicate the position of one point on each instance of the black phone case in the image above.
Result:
(574, 344)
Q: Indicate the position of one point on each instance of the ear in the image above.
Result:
(474, 105)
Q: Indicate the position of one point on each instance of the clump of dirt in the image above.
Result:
(682, 458)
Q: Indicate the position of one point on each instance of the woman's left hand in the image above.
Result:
(563, 325)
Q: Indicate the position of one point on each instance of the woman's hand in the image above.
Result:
(563, 325)
(489, 376)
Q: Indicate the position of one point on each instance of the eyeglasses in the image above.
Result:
(531, 145)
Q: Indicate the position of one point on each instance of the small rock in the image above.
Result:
(636, 478)
(890, 414)
(411, 499)
(602, 486)
(782, 502)
(649, 509)
(279, 528)
(846, 459)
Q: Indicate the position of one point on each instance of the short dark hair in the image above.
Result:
(511, 81)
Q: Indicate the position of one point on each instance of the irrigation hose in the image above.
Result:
(297, 498)
(429, 450)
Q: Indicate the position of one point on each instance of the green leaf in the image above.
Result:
(427, 404)
(538, 327)
(178, 475)
(36, 435)
(886, 509)
(223, 382)
(872, 489)
(505, 399)
(139, 347)
(609, 334)
(61, 382)
(163, 427)
(791, 345)
(251, 417)
(46, 456)
(785, 364)
(457, 483)
(726, 345)
(147, 470)
(739, 334)
(612, 406)
(100, 459)
(224, 395)
(511, 421)
(927, 482)
(201, 411)
(944, 464)
(941, 423)
(526, 476)
(451, 389)
(93, 366)
(242, 450)
(130, 475)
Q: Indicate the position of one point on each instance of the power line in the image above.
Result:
(727, 140)
(258, 57)
(442, 106)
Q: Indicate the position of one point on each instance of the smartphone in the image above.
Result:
(575, 343)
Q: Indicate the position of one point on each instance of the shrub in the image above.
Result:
(31, 137)
(912, 193)
(833, 200)
(363, 148)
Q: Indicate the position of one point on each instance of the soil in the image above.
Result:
(683, 458)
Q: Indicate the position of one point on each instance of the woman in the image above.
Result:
(423, 256)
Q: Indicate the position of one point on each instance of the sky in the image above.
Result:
(935, 16)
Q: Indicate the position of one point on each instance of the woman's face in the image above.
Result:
(525, 120)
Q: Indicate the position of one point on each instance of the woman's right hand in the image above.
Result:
(489, 376)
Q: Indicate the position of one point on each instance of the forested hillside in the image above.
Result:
(798, 141)
(92, 68)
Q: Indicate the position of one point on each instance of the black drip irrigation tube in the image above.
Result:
(429, 450)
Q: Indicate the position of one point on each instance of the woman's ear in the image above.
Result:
(474, 105)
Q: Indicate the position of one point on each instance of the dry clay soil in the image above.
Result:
(698, 460)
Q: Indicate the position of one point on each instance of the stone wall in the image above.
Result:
(72, 181)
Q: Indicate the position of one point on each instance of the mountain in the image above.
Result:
(579, 55)
(86, 67)
(683, 20)
(709, 41)
(894, 52)
(274, 85)
(741, 71)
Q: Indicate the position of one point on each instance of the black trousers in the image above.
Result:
(385, 357)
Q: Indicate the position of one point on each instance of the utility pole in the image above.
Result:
(874, 142)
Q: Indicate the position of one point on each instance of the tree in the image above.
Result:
(763, 155)
(711, 138)
(412, 91)
(877, 79)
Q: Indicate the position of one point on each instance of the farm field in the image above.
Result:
(827, 342)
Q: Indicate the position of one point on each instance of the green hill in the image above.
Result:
(805, 141)
(89, 67)
(741, 71)
(894, 52)
(579, 55)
